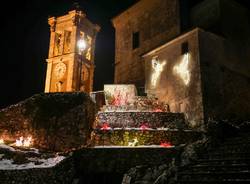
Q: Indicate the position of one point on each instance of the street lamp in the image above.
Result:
(82, 45)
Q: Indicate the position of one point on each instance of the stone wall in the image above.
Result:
(136, 119)
(57, 121)
(226, 85)
(179, 82)
(156, 22)
(144, 137)
(120, 160)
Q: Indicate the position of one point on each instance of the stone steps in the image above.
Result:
(122, 137)
(236, 142)
(127, 119)
(231, 168)
(236, 181)
(235, 145)
(231, 150)
(235, 148)
(223, 161)
(239, 138)
(229, 163)
(229, 155)
(217, 174)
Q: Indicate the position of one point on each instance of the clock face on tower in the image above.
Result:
(60, 70)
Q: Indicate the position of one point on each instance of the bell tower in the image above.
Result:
(70, 63)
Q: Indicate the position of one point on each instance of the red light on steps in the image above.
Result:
(166, 144)
(105, 126)
(144, 127)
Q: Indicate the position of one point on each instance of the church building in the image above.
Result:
(201, 70)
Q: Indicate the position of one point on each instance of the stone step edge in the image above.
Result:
(209, 181)
(213, 173)
(215, 160)
(229, 165)
(149, 129)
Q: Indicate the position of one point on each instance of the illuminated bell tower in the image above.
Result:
(70, 63)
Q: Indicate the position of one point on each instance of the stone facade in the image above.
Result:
(225, 80)
(150, 23)
(179, 67)
(179, 81)
(203, 77)
(68, 69)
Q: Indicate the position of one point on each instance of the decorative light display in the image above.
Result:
(105, 127)
(182, 69)
(119, 95)
(157, 67)
(144, 126)
(158, 110)
(166, 145)
(24, 142)
(133, 143)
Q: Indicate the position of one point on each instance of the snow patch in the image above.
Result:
(7, 164)
(45, 163)
(3, 146)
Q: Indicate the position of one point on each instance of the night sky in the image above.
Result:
(25, 42)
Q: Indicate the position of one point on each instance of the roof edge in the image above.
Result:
(172, 40)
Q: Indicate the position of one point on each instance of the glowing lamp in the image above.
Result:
(82, 45)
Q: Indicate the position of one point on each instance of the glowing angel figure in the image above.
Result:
(182, 69)
(157, 69)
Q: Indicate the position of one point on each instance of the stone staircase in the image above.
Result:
(229, 164)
